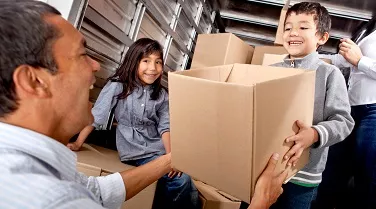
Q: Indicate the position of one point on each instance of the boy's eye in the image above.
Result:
(159, 62)
(287, 29)
(145, 61)
(303, 28)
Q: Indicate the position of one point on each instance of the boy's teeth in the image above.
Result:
(92, 86)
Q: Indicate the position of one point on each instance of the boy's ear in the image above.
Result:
(324, 38)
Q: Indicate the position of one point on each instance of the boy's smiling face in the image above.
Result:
(300, 36)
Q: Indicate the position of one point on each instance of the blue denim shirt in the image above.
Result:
(141, 121)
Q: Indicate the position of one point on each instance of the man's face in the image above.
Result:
(70, 86)
(300, 35)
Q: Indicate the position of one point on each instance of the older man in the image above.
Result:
(45, 79)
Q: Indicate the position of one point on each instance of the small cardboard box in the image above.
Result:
(226, 121)
(281, 24)
(260, 51)
(98, 161)
(220, 49)
(212, 198)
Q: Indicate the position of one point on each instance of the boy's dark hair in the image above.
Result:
(320, 14)
(25, 39)
(127, 72)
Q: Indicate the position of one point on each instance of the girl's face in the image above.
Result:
(150, 68)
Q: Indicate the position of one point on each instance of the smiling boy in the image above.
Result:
(307, 27)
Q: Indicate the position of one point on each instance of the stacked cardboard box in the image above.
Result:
(98, 161)
(220, 49)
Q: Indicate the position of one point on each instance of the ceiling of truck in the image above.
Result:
(256, 21)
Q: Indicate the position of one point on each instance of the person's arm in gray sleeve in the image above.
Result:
(338, 123)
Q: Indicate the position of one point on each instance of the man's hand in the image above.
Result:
(304, 139)
(350, 51)
(74, 146)
(174, 173)
(268, 186)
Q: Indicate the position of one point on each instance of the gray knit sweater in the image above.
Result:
(331, 117)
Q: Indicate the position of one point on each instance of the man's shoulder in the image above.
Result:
(39, 190)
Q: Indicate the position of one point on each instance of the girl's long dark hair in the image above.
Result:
(127, 72)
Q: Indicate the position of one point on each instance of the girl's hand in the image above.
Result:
(174, 173)
(74, 146)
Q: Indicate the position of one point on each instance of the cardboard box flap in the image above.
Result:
(211, 193)
(92, 156)
(88, 170)
(203, 57)
(235, 46)
(260, 51)
(287, 5)
(270, 59)
(296, 98)
(250, 74)
(281, 24)
(216, 73)
(220, 49)
(227, 196)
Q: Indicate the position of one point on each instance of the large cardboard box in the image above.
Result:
(226, 121)
(281, 24)
(220, 49)
(260, 51)
(93, 160)
(212, 198)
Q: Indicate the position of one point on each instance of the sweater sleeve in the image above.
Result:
(338, 123)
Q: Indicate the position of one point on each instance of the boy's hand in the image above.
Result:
(303, 139)
(350, 51)
(74, 146)
(174, 173)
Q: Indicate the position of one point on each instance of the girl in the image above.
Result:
(142, 113)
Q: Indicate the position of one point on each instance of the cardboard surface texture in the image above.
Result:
(220, 49)
(212, 198)
(93, 160)
(270, 59)
(260, 51)
(226, 121)
(281, 24)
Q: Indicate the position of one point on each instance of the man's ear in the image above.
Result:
(324, 38)
(31, 81)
